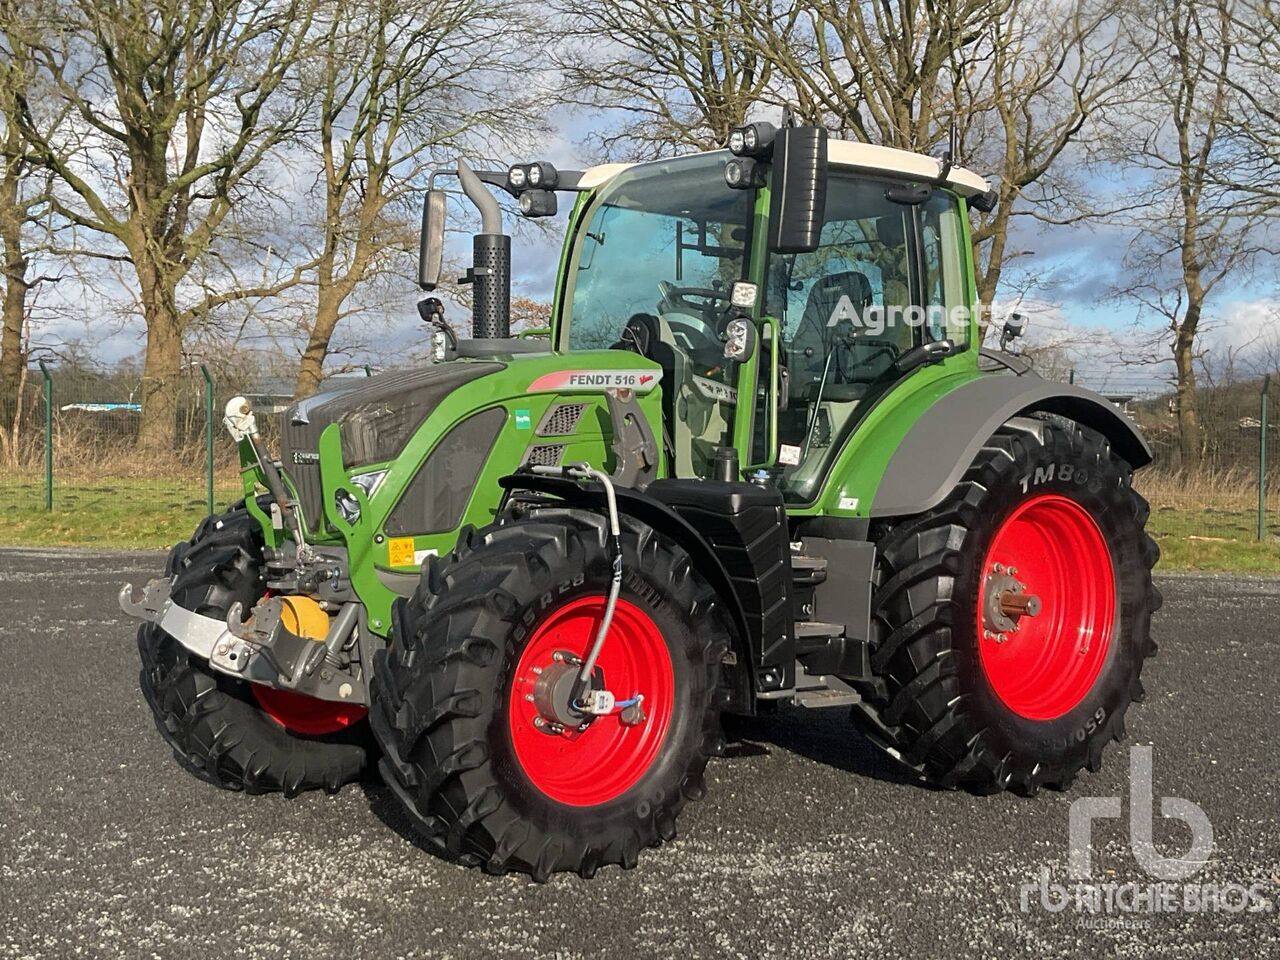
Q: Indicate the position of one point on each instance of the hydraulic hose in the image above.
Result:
(583, 471)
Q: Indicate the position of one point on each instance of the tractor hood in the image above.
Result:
(376, 416)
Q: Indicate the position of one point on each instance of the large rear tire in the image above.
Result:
(971, 696)
(215, 723)
(467, 747)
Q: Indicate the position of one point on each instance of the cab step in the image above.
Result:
(813, 691)
(808, 571)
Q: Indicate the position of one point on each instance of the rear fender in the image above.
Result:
(943, 442)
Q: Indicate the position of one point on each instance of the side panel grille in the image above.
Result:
(544, 455)
(561, 420)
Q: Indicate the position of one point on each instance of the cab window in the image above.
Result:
(849, 309)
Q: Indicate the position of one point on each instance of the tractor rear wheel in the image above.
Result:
(238, 735)
(472, 703)
(1011, 622)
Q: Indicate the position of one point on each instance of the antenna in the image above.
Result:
(948, 155)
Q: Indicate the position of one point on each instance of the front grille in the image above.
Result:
(544, 455)
(299, 452)
(561, 420)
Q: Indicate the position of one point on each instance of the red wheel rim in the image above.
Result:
(595, 765)
(1049, 663)
(308, 716)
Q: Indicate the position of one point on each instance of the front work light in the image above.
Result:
(532, 176)
(542, 175)
(752, 140)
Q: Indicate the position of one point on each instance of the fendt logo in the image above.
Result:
(641, 381)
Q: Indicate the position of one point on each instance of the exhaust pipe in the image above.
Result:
(490, 273)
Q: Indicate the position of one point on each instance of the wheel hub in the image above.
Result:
(553, 694)
(1005, 602)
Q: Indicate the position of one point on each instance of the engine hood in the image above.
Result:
(376, 418)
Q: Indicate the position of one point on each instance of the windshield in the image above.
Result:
(650, 271)
(670, 224)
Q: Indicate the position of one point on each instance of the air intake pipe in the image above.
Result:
(490, 273)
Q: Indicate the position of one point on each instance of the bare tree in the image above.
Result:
(396, 83)
(178, 104)
(1017, 78)
(682, 74)
(1252, 131)
(1190, 232)
(24, 202)
(879, 72)
(1040, 73)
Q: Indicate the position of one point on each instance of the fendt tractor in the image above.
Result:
(760, 458)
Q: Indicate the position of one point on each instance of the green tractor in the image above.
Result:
(760, 458)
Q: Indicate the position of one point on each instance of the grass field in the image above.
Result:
(1197, 529)
(97, 512)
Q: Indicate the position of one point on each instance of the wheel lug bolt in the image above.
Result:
(537, 671)
(529, 697)
(539, 722)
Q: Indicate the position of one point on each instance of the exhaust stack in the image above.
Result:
(490, 273)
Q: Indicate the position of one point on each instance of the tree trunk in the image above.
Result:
(14, 311)
(1188, 418)
(157, 433)
(311, 369)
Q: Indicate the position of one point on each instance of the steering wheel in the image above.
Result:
(698, 323)
(675, 299)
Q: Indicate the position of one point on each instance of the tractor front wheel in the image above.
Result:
(483, 741)
(238, 735)
(1011, 622)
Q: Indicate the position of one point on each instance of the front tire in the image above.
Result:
(218, 725)
(971, 692)
(485, 775)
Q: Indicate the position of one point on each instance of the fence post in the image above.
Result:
(48, 436)
(368, 371)
(1071, 377)
(1262, 459)
(208, 436)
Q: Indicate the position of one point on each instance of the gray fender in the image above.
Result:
(939, 448)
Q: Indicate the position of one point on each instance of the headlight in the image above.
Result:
(537, 203)
(369, 482)
(737, 142)
(517, 176)
(543, 175)
(741, 173)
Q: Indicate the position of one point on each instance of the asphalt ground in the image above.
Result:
(809, 844)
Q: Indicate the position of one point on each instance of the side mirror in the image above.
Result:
(431, 242)
(798, 191)
(1013, 328)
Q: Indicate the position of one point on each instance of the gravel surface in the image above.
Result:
(808, 845)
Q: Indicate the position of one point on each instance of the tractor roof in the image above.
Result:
(847, 154)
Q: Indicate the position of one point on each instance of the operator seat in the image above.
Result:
(815, 336)
(642, 334)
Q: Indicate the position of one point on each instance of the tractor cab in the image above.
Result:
(844, 265)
